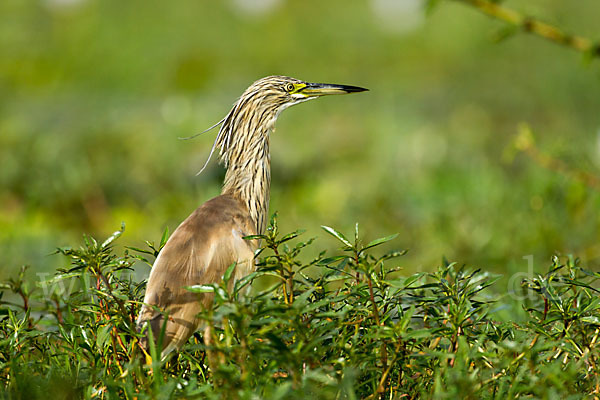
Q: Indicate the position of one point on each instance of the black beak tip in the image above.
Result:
(355, 89)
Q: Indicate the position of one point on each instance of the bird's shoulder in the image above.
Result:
(212, 234)
(217, 215)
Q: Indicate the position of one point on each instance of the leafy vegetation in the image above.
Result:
(343, 326)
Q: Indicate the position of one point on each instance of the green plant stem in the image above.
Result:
(372, 297)
(384, 364)
(281, 273)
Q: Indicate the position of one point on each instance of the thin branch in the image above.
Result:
(525, 143)
(535, 26)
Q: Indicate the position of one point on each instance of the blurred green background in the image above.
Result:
(94, 94)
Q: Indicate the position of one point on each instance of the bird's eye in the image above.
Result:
(289, 87)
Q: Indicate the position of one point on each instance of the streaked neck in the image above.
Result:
(249, 179)
(244, 149)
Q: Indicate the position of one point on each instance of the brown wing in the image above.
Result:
(198, 252)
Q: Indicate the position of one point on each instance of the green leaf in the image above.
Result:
(228, 272)
(406, 318)
(102, 335)
(201, 288)
(137, 249)
(404, 283)
(58, 278)
(164, 238)
(594, 304)
(591, 320)
(112, 237)
(330, 260)
(301, 300)
(272, 229)
(254, 237)
(337, 235)
(292, 235)
(379, 241)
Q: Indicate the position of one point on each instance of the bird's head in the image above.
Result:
(279, 92)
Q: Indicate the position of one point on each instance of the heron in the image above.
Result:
(211, 239)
